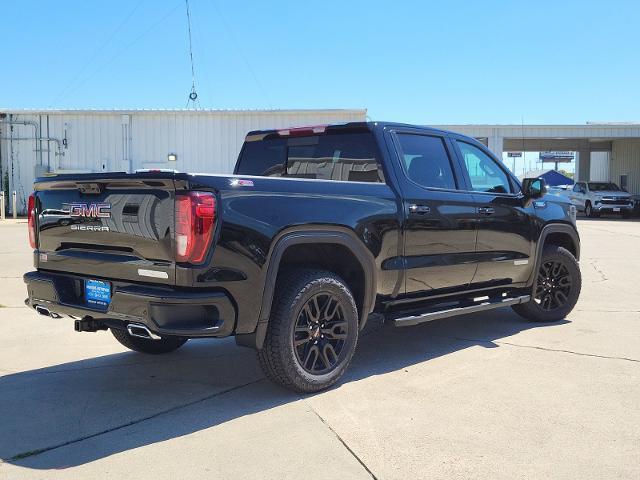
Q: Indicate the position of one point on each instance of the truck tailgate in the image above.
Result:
(118, 226)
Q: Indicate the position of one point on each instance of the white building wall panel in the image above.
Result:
(599, 167)
(96, 141)
(625, 160)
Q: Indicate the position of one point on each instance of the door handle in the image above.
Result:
(419, 209)
(486, 211)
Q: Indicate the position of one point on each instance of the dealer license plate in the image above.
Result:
(97, 293)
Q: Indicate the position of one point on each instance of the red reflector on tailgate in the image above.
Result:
(195, 222)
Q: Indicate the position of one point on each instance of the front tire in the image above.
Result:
(557, 287)
(312, 333)
(589, 211)
(142, 345)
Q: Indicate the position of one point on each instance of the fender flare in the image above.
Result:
(546, 231)
(342, 237)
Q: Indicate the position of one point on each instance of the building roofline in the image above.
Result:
(587, 125)
(131, 111)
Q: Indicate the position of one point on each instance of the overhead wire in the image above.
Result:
(204, 72)
(95, 54)
(239, 50)
(128, 46)
(193, 95)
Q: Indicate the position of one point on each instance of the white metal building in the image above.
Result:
(36, 142)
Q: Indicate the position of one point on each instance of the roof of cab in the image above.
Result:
(317, 129)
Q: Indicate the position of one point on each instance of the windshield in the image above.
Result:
(599, 187)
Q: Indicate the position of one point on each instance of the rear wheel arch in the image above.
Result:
(348, 254)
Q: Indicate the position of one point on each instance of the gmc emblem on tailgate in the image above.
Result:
(90, 210)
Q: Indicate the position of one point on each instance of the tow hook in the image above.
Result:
(88, 325)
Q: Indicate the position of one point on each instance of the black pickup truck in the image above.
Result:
(318, 228)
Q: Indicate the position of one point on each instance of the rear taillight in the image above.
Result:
(195, 222)
(31, 214)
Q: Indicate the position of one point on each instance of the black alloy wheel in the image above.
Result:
(320, 333)
(312, 332)
(556, 287)
(553, 287)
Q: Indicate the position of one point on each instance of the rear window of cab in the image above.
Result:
(351, 157)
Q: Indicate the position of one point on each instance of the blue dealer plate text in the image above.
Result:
(97, 293)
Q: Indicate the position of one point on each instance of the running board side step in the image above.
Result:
(487, 304)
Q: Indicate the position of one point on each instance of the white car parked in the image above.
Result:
(594, 198)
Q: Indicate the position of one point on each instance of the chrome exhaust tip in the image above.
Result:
(46, 312)
(43, 311)
(141, 331)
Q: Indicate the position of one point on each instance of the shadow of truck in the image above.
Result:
(105, 405)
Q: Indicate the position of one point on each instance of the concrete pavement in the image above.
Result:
(483, 396)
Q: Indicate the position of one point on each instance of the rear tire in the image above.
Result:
(153, 347)
(556, 289)
(312, 332)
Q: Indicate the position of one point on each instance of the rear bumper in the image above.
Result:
(165, 311)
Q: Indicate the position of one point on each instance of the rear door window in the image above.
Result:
(426, 160)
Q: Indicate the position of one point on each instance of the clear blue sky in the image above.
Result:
(414, 61)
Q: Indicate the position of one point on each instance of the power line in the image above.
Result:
(193, 95)
(240, 52)
(127, 47)
(96, 53)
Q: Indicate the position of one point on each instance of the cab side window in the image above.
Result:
(579, 188)
(484, 172)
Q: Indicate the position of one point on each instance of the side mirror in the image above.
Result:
(533, 187)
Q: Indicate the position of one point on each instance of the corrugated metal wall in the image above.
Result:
(94, 141)
(625, 160)
(599, 168)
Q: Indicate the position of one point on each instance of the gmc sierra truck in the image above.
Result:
(317, 229)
